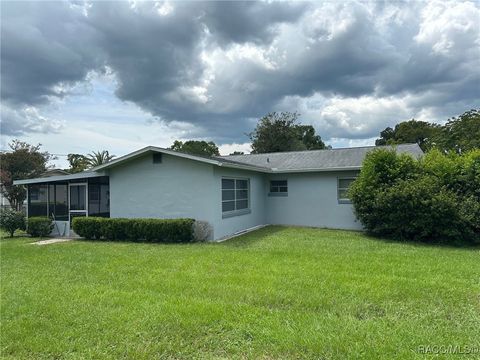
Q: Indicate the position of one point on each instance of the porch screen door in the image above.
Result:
(77, 200)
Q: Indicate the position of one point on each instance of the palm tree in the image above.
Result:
(96, 158)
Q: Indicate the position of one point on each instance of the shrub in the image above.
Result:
(419, 210)
(431, 199)
(202, 231)
(39, 226)
(381, 169)
(11, 220)
(149, 230)
(88, 227)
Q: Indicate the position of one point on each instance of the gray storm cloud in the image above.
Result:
(218, 64)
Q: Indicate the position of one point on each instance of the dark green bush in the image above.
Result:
(11, 220)
(89, 228)
(39, 226)
(433, 199)
(149, 230)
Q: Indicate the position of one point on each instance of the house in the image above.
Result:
(54, 172)
(230, 193)
(4, 203)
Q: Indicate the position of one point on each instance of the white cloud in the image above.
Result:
(164, 8)
(27, 119)
(449, 26)
(227, 149)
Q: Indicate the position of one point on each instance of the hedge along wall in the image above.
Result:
(149, 230)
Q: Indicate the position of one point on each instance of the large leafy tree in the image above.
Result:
(309, 138)
(23, 161)
(77, 163)
(277, 132)
(460, 133)
(97, 158)
(194, 147)
(412, 131)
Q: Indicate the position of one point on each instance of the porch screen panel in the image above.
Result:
(99, 197)
(51, 199)
(37, 200)
(61, 202)
(77, 197)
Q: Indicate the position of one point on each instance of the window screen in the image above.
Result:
(235, 194)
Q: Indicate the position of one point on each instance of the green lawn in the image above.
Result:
(275, 293)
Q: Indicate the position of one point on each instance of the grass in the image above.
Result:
(274, 293)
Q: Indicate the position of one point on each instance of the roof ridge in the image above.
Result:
(319, 150)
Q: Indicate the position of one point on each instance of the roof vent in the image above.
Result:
(157, 158)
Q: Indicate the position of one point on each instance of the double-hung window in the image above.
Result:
(235, 196)
(343, 185)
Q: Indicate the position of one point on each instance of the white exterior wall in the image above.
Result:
(175, 188)
(311, 201)
(181, 188)
(230, 225)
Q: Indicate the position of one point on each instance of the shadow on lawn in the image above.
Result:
(435, 244)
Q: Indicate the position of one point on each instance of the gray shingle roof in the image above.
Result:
(333, 159)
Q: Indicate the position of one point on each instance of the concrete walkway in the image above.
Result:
(51, 241)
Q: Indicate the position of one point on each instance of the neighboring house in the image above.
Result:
(4, 203)
(54, 172)
(231, 193)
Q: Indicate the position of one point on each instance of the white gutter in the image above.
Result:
(344, 168)
(77, 176)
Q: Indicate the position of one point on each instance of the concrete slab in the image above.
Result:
(51, 241)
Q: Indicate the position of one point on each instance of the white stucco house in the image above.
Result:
(231, 193)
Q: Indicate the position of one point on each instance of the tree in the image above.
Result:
(307, 135)
(460, 133)
(237, 153)
(77, 163)
(24, 161)
(97, 158)
(411, 131)
(194, 147)
(277, 132)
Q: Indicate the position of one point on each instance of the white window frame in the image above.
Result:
(235, 212)
(343, 200)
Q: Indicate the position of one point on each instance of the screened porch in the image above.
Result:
(64, 200)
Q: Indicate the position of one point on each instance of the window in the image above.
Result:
(342, 186)
(235, 195)
(278, 187)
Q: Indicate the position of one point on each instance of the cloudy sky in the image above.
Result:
(81, 76)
